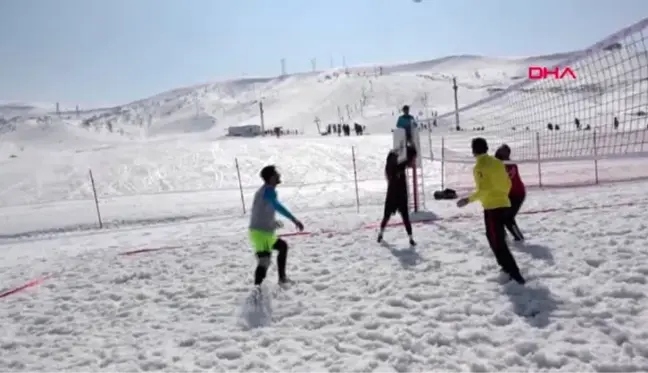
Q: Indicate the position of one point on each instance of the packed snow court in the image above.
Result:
(356, 305)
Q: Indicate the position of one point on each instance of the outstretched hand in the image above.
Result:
(462, 202)
(299, 225)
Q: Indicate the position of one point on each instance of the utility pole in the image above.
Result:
(283, 66)
(317, 123)
(456, 102)
(262, 118)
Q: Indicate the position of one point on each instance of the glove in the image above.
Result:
(299, 225)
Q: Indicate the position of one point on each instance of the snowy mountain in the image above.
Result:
(371, 95)
(20, 109)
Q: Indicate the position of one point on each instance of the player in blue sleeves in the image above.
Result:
(406, 122)
(263, 225)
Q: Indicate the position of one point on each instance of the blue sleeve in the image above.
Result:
(270, 195)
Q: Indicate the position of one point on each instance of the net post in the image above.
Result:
(355, 178)
(430, 142)
(238, 176)
(415, 187)
(596, 173)
(455, 88)
(442, 162)
(538, 159)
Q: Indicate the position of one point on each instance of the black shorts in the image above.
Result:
(394, 206)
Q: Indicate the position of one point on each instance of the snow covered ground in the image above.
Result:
(357, 306)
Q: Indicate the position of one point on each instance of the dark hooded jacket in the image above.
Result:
(396, 176)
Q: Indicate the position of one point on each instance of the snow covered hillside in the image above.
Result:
(19, 109)
(370, 95)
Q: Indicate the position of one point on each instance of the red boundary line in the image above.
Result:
(38, 281)
(148, 250)
(463, 217)
(25, 286)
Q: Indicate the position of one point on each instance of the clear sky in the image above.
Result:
(94, 52)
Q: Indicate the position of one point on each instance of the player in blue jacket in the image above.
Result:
(406, 122)
(263, 225)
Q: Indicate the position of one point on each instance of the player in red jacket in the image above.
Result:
(517, 193)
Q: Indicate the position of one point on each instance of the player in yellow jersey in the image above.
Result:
(492, 186)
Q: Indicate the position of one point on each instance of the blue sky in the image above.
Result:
(93, 52)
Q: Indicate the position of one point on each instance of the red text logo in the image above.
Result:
(541, 72)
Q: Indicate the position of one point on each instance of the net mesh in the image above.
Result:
(601, 114)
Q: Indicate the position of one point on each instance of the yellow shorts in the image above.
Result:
(262, 241)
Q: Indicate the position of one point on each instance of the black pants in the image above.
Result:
(263, 262)
(391, 207)
(495, 232)
(511, 223)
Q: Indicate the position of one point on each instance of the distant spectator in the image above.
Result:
(406, 122)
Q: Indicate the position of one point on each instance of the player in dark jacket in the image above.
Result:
(517, 193)
(396, 199)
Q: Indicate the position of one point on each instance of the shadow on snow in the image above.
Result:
(534, 302)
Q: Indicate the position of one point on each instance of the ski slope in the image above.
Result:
(371, 95)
